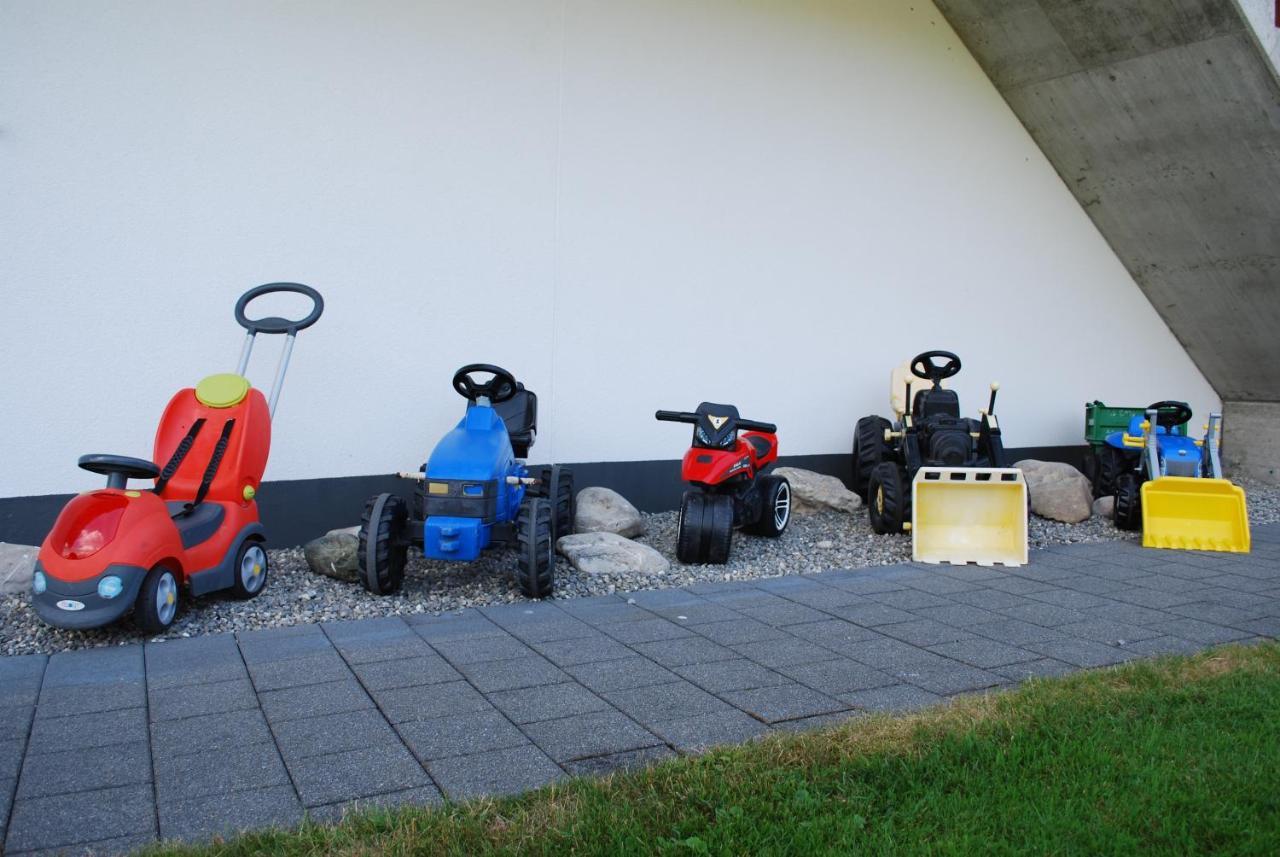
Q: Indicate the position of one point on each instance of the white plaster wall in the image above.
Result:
(1262, 18)
(631, 205)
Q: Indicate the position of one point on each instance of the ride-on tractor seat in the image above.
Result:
(935, 403)
(520, 415)
(900, 382)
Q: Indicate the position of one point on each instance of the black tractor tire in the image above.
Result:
(1112, 464)
(564, 502)
(1128, 510)
(247, 581)
(869, 449)
(535, 548)
(382, 550)
(887, 502)
(1090, 468)
(159, 599)
(775, 507)
(719, 534)
(691, 536)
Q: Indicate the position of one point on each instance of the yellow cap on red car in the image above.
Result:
(222, 391)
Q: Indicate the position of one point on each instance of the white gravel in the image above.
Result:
(295, 596)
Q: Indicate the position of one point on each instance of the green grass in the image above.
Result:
(1179, 755)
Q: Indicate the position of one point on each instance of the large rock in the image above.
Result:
(17, 564)
(812, 492)
(1058, 491)
(1104, 507)
(334, 555)
(610, 553)
(601, 510)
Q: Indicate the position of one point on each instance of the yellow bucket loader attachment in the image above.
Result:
(969, 514)
(1188, 513)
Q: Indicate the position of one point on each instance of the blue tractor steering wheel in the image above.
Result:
(499, 388)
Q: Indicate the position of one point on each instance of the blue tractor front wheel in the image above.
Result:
(535, 548)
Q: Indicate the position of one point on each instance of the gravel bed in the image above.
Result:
(295, 596)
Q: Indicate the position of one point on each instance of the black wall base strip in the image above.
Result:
(297, 510)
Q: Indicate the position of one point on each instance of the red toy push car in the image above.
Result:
(728, 488)
(115, 549)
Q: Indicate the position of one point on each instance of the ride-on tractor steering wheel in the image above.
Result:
(119, 468)
(499, 388)
(922, 366)
(1170, 414)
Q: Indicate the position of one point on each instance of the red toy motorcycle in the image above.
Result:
(728, 488)
(115, 549)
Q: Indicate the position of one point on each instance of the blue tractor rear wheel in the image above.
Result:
(1109, 465)
(381, 550)
(1128, 510)
(555, 482)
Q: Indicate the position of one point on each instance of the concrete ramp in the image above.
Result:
(1163, 119)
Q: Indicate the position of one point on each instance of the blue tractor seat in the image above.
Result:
(520, 415)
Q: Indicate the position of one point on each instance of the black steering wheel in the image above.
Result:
(1170, 414)
(119, 469)
(499, 388)
(275, 324)
(924, 367)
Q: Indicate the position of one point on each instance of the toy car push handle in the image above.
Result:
(275, 324)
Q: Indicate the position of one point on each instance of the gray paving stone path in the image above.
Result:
(104, 750)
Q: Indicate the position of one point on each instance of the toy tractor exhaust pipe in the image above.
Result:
(965, 515)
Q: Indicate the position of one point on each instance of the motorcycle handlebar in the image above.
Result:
(756, 425)
(687, 417)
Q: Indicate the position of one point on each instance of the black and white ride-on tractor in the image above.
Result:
(928, 433)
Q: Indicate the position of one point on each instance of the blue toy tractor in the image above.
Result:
(1125, 459)
(1171, 486)
(475, 492)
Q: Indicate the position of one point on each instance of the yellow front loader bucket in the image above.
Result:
(969, 514)
(1185, 513)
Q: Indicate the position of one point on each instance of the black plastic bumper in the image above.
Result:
(57, 604)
